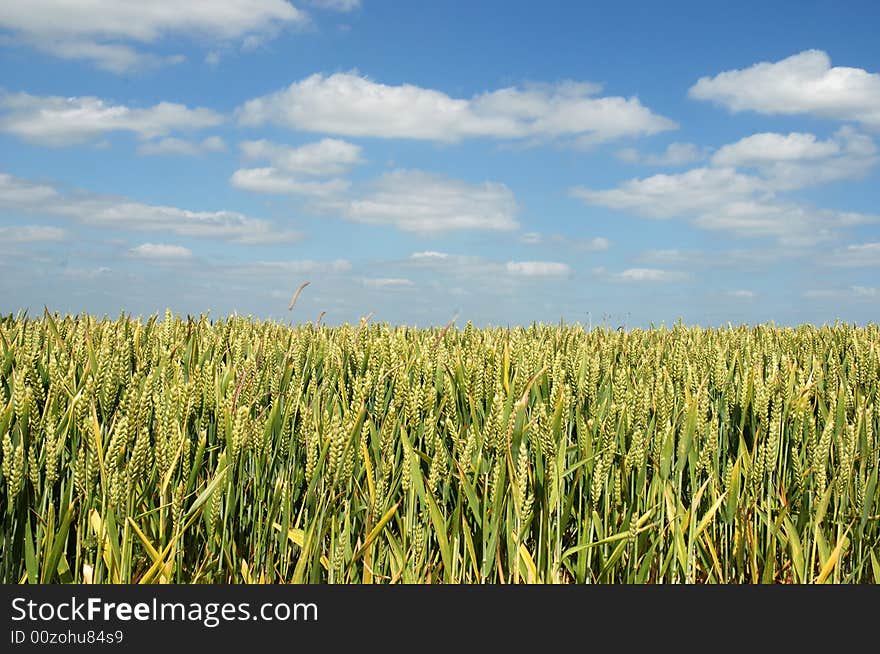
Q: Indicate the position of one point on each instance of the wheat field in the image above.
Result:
(186, 450)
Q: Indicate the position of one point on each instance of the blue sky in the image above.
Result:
(505, 162)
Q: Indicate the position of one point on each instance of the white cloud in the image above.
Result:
(538, 268)
(175, 146)
(16, 193)
(296, 267)
(387, 282)
(664, 256)
(290, 165)
(722, 197)
(272, 180)
(81, 273)
(850, 293)
(751, 259)
(213, 144)
(348, 104)
(797, 160)
(31, 234)
(804, 83)
(651, 275)
(56, 121)
(597, 244)
(410, 200)
(769, 147)
(532, 238)
(120, 213)
(443, 260)
(98, 31)
(112, 57)
(325, 157)
(502, 277)
(856, 255)
(675, 154)
(791, 224)
(741, 294)
(428, 254)
(865, 248)
(415, 201)
(160, 251)
(665, 196)
(342, 6)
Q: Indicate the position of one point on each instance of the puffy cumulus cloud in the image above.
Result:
(410, 200)
(120, 213)
(675, 154)
(798, 160)
(109, 33)
(791, 224)
(597, 244)
(19, 194)
(447, 261)
(387, 282)
(57, 121)
(854, 292)
(538, 268)
(855, 255)
(175, 146)
(740, 190)
(742, 259)
(297, 267)
(648, 275)
(271, 180)
(415, 201)
(666, 196)
(741, 294)
(804, 83)
(428, 255)
(160, 251)
(722, 196)
(532, 238)
(291, 165)
(81, 273)
(769, 147)
(668, 256)
(342, 6)
(113, 57)
(352, 105)
(325, 157)
(470, 267)
(32, 233)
